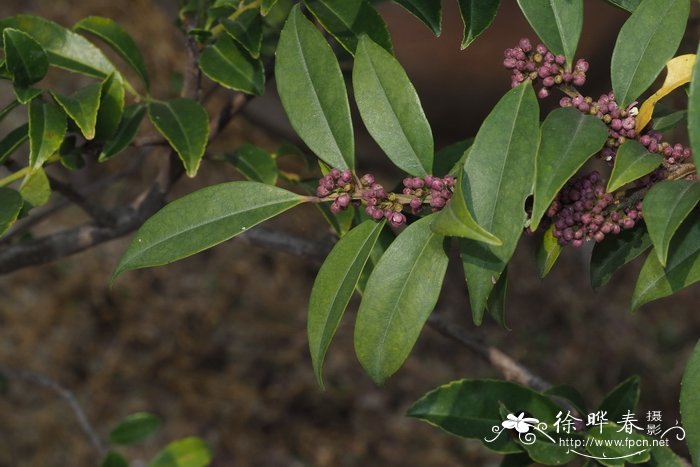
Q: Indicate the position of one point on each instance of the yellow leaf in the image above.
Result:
(679, 70)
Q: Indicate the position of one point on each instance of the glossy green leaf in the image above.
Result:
(616, 251)
(82, 107)
(25, 58)
(266, 6)
(496, 303)
(385, 239)
(615, 452)
(690, 403)
(547, 253)
(109, 115)
(128, 127)
(118, 39)
(568, 139)
(26, 94)
(670, 121)
(622, 398)
(682, 266)
(185, 124)
(470, 408)
(400, 295)
(391, 109)
(247, 30)
(499, 176)
(632, 162)
(188, 452)
(455, 220)
(662, 456)
(629, 5)
(35, 188)
(477, 16)
(47, 126)
(666, 206)
(10, 206)
(12, 141)
(255, 164)
(545, 452)
(568, 393)
(114, 459)
(203, 219)
(428, 11)
(647, 40)
(694, 112)
(450, 159)
(347, 20)
(71, 157)
(313, 92)
(557, 23)
(65, 49)
(229, 65)
(135, 428)
(333, 288)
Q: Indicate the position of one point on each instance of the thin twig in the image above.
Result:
(101, 216)
(66, 395)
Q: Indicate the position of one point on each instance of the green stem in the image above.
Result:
(13, 177)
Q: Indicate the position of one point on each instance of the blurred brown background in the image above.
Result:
(216, 344)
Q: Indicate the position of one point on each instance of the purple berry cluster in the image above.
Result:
(584, 211)
(342, 188)
(539, 63)
(434, 191)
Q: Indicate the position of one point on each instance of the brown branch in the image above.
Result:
(66, 395)
(101, 216)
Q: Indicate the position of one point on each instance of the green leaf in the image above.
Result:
(47, 126)
(662, 456)
(255, 164)
(557, 23)
(568, 139)
(400, 295)
(666, 205)
(82, 107)
(694, 112)
(629, 5)
(229, 65)
(622, 398)
(496, 303)
(12, 141)
(135, 428)
(203, 219)
(35, 188)
(333, 288)
(570, 394)
(26, 59)
(632, 162)
(615, 452)
(10, 206)
(128, 127)
(470, 409)
(616, 251)
(477, 16)
(266, 6)
(114, 459)
(347, 20)
(185, 124)
(65, 49)
(71, 156)
(690, 403)
(118, 39)
(670, 121)
(428, 11)
(385, 239)
(188, 452)
(682, 267)
(246, 29)
(516, 460)
(455, 220)
(391, 109)
(547, 253)
(26, 94)
(447, 160)
(499, 176)
(647, 40)
(313, 92)
(111, 108)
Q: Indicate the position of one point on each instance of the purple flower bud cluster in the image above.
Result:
(379, 204)
(339, 184)
(674, 154)
(431, 190)
(584, 211)
(539, 63)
